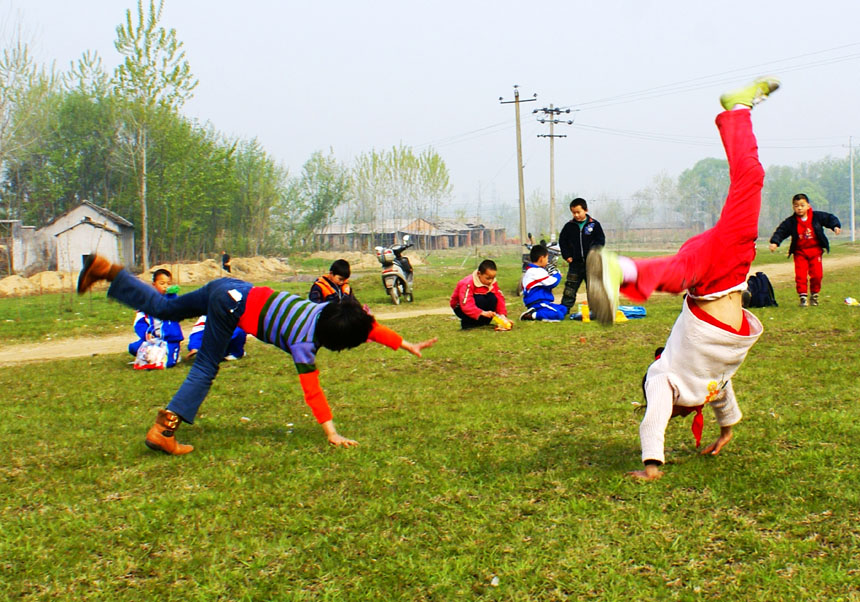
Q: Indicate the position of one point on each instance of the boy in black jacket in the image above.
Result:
(576, 238)
(808, 243)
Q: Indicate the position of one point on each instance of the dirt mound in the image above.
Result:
(253, 269)
(362, 261)
(52, 282)
(15, 286)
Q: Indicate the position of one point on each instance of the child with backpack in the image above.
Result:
(808, 243)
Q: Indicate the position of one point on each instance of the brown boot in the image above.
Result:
(96, 268)
(160, 436)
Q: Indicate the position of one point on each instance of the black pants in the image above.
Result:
(575, 277)
(487, 302)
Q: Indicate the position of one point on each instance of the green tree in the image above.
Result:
(154, 75)
(262, 183)
(702, 191)
(25, 93)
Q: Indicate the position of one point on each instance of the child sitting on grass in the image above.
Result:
(711, 337)
(538, 282)
(149, 329)
(477, 298)
(297, 326)
(808, 244)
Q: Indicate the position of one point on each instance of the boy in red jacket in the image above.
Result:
(477, 298)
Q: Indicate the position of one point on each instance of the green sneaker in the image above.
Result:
(751, 94)
(603, 279)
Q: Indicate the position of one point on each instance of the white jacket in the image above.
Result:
(695, 368)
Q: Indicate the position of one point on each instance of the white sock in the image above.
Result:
(629, 273)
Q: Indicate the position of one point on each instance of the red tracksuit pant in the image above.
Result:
(807, 264)
(718, 259)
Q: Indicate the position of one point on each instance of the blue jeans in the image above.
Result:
(223, 311)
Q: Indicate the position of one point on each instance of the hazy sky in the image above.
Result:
(354, 76)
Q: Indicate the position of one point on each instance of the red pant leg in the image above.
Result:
(801, 271)
(816, 272)
(808, 263)
(717, 259)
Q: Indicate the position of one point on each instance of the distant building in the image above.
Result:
(425, 234)
(62, 243)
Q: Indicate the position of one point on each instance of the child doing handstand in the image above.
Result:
(713, 334)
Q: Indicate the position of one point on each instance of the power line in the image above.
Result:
(720, 78)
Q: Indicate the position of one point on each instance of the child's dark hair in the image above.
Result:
(537, 252)
(487, 264)
(343, 325)
(579, 202)
(161, 271)
(340, 267)
(799, 197)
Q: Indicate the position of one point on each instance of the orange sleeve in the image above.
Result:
(385, 336)
(314, 396)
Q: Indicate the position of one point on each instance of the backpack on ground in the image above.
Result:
(759, 292)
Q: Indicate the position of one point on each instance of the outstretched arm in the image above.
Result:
(315, 398)
(415, 348)
(783, 231)
(385, 336)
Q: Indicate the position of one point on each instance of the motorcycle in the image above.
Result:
(552, 263)
(396, 271)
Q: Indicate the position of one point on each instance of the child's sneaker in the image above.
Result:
(751, 94)
(803, 301)
(814, 299)
(603, 279)
(528, 314)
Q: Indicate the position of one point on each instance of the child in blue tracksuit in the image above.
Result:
(148, 328)
(235, 350)
(538, 282)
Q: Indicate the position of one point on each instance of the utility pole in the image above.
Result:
(851, 162)
(516, 102)
(551, 116)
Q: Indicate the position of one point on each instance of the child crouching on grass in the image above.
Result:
(711, 337)
(477, 298)
(538, 282)
(297, 326)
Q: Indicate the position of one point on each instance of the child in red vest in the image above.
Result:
(332, 286)
(808, 243)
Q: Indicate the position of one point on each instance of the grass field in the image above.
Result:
(493, 468)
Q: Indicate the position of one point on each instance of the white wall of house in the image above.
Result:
(83, 239)
(81, 231)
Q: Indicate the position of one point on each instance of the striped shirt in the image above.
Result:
(289, 322)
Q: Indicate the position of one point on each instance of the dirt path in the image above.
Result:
(87, 346)
(11, 355)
